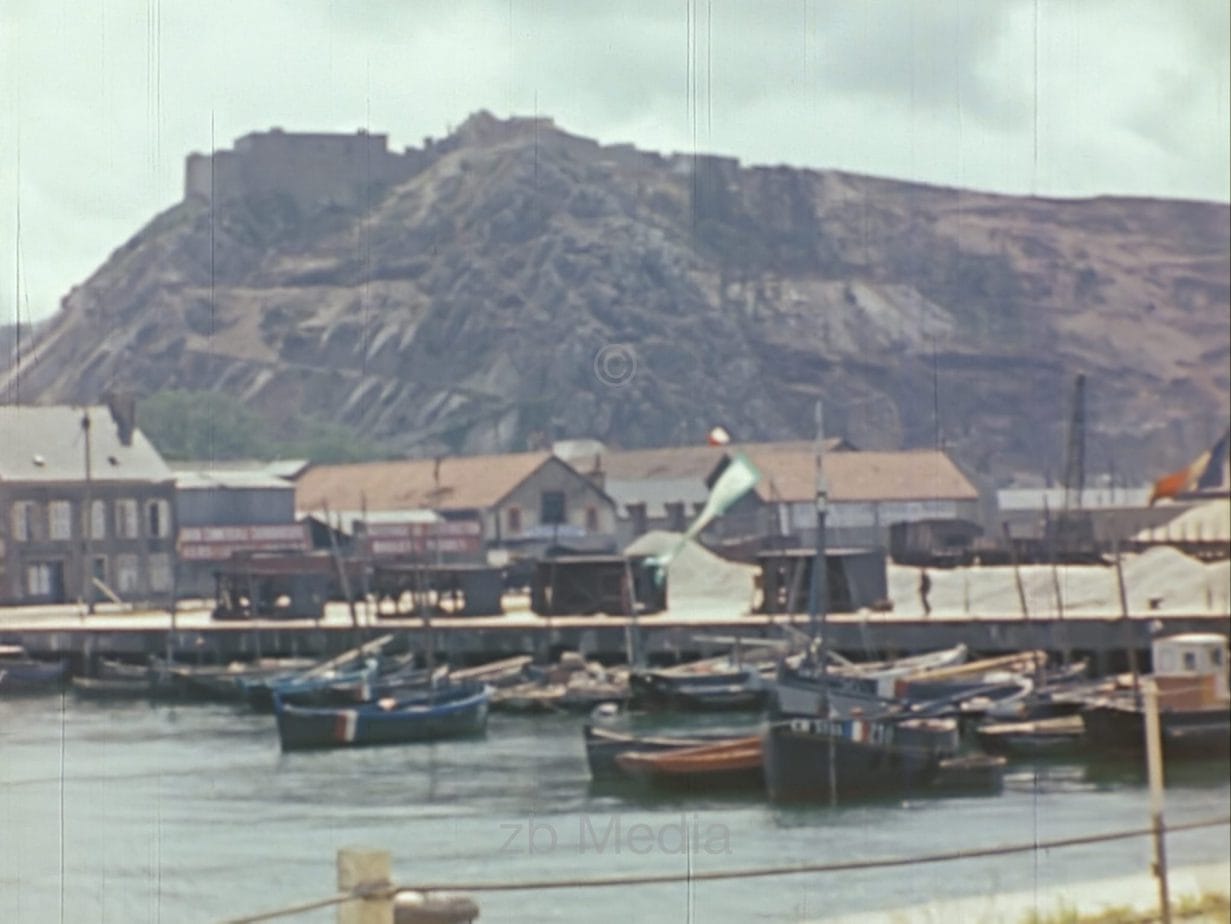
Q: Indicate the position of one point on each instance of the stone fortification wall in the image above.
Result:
(315, 169)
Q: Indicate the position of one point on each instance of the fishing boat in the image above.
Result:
(605, 745)
(1194, 708)
(733, 763)
(1056, 736)
(714, 688)
(449, 711)
(112, 688)
(220, 683)
(836, 759)
(969, 774)
(802, 687)
(21, 674)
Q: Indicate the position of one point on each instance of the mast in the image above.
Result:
(817, 589)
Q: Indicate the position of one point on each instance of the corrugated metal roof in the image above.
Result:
(925, 474)
(39, 444)
(452, 483)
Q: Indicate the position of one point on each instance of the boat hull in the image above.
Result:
(435, 715)
(1119, 727)
(868, 758)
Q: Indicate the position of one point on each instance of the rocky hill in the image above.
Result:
(524, 284)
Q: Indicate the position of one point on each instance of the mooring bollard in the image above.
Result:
(363, 870)
(434, 908)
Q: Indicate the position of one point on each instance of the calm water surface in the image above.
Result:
(135, 812)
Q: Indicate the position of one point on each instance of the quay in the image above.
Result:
(193, 636)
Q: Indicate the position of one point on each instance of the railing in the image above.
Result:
(367, 895)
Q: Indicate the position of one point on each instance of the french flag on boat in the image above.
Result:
(344, 726)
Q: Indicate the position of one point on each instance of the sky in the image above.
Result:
(101, 100)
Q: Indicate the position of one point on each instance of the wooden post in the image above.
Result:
(365, 869)
(1154, 766)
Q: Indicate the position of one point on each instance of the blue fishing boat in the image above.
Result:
(447, 711)
(21, 674)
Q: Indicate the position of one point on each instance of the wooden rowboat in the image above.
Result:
(448, 711)
(731, 764)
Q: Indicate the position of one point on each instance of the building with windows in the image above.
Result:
(78, 485)
(517, 501)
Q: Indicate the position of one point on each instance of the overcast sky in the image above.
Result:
(100, 100)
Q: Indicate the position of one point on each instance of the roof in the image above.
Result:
(241, 480)
(451, 483)
(683, 462)
(42, 444)
(925, 474)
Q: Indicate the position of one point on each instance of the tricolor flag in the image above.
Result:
(1206, 473)
(738, 478)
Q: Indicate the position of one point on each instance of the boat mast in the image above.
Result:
(817, 588)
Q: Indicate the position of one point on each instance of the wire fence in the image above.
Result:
(387, 890)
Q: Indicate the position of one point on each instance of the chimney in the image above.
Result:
(123, 407)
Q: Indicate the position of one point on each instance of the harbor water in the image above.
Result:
(138, 812)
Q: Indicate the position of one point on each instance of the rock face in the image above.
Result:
(525, 284)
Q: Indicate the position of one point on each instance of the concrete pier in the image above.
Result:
(67, 632)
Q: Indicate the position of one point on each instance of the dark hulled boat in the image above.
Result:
(21, 674)
(1118, 725)
(447, 711)
(1194, 708)
(719, 690)
(868, 757)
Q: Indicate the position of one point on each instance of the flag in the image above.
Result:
(738, 478)
(1207, 472)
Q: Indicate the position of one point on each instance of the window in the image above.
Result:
(513, 515)
(591, 519)
(1190, 660)
(23, 521)
(552, 509)
(127, 575)
(160, 572)
(158, 519)
(98, 519)
(126, 520)
(60, 520)
(38, 580)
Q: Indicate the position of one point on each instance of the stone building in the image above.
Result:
(83, 484)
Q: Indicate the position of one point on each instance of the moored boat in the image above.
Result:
(21, 674)
(605, 745)
(1051, 737)
(836, 759)
(448, 711)
(1194, 708)
(733, 763)
(112, 688)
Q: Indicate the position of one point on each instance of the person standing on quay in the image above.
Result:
(925, 585)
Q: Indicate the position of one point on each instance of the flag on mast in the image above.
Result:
(738, 478)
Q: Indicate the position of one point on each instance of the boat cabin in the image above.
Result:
(1191, 670)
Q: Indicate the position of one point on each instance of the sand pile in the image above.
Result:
(699, 582)
(1162, 579)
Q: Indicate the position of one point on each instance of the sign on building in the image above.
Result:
(216, 543)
